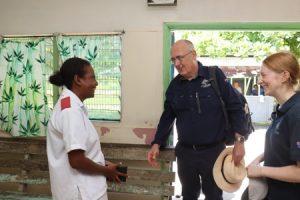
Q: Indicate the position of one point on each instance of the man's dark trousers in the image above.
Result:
(195, 171)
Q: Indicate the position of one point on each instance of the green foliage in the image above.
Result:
(74, 47)
(3, 118)
(35, 87)
(8, 97)
(91, 56)
(27, 106)
(13, 74)
(8, 57)
(3, 43)
(82, 43)
(27, 69)
(15, 119)
(243, 43)
(41, 59)
(38, 108)
(293, 41)
(45, 100)
(7, 129)
(64, 51)
(18, 55)
(22, 92)
(32, 44)
(29, 130)
(45, 122)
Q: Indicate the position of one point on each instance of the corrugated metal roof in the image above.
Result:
(233, 66)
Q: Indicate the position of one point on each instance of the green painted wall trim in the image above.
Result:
(234, 26)
(166, 58)
(168, 27)
(55, 68)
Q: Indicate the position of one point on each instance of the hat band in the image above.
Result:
(222, 167)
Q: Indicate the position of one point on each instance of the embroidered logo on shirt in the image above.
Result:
(65, 103)
(298, 144)
(205, 83)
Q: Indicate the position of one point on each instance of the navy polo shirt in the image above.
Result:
(198, 111)
(282, 146)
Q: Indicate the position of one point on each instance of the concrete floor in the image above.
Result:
(254, 146)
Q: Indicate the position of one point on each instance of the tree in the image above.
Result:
(256, 44)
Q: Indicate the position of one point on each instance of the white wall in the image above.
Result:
(142, 90)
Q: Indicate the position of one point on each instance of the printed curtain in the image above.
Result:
(104, 54)
(24, 68)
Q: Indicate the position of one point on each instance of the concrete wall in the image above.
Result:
(142, 90)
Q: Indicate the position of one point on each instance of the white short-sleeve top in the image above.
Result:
(69, 128)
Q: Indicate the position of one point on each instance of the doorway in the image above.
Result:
(258, 136)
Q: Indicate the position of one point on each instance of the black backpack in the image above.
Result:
(229, 139)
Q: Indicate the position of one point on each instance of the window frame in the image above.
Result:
(56, 63)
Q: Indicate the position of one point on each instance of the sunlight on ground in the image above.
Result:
(254, 147)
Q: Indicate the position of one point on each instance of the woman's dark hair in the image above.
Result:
(70, 68)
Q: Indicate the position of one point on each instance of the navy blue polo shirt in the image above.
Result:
(198, 111)
(282, 146)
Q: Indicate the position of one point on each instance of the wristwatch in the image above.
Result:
(240, 139)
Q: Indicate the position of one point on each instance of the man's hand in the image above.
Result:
(238, 152)
(152, 154)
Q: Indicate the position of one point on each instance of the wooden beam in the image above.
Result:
(24, 164)
(110, 150)
(133, 174)
(163, 190)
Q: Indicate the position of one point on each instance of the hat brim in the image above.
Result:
(217, 174)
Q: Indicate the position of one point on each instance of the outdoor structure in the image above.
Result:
(261, 108)
(245, 71)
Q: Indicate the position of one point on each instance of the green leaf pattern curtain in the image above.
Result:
(78, 46)
(104, 53)
(23, 85)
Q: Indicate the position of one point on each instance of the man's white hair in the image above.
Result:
(188, 43)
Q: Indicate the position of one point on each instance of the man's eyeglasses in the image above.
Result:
(180, 58)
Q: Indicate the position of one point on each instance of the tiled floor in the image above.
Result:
(254, 146)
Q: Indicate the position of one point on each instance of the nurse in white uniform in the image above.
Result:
(77, 167)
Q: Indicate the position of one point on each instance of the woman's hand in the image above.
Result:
(254, 170)
(112, 173)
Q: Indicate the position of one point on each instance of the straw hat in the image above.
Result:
(227, 176)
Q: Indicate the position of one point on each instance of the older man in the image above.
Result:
(200, 123)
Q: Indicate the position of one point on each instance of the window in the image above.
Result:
(26, 64)
(104, 53)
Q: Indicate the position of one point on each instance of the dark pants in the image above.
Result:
(195, 172)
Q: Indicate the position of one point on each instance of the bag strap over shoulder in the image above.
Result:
(215, 85)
